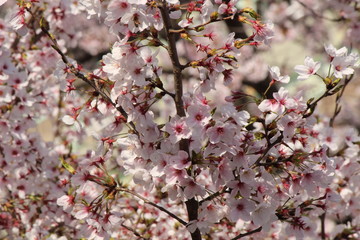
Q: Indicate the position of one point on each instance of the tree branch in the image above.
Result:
(247, 234)
(214, 195)
(120, 189)
(177, 67)
(192, 205)
(134, 232)
(322, 225)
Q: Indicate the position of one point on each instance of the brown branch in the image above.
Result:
(269, 147)
(134, 232)
(120, 189)
(214, 195)
(247, 234)
(177, 67)
(322, 225)
(182, 30)
(192, 205)
(330, 90)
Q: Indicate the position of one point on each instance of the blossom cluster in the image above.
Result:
(170, 161)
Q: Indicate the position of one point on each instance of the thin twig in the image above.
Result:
(212, 196)
(134, 232)
(328, 92)
(338, 98)
(269, 147)
(319, 15)
(182, 30)
(120, 189)
(247, 234)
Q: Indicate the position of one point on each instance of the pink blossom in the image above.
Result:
(275, 75)
(241, 209)
(211, 212)
(198, 116)
(81, 211)
(117, 9)
(239, 187)
(220, 132)
(174, 175)
(181, 160)
(263, 32)
(178, 129)
(263, 214)
(279, 104)
(343, 65)
(18, 22)
(192, 188)
(66, 201)
(333, 52)
(310, 68)
(289, 123)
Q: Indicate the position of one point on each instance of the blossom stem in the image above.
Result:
(269, 147)
(268, 88)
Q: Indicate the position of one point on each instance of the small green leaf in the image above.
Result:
(67, 166)
(213, 111)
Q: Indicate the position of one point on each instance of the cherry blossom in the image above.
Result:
(278, 105)
(264, 32)
(178, 129)
(343, 65)
(241, 209)
(310, 68)
(275, 74)
(333, 52)
(159, 149)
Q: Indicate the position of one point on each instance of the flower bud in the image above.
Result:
(194, 64)
(185, 36)
(199, 29)
(214, 16)
(242, 19)
(251, 12)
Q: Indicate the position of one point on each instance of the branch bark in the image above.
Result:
(192, 205)
(247, 234)
(134, 232)
(322, 226)
(152, 204)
